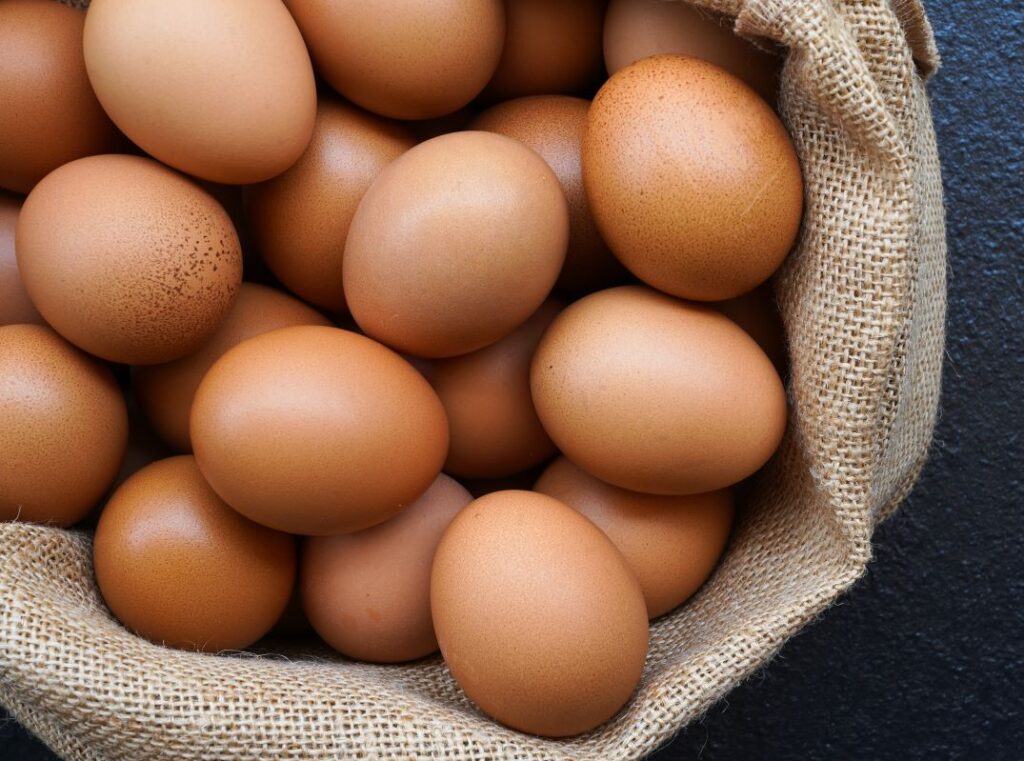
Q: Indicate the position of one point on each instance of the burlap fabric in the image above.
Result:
(863, 298)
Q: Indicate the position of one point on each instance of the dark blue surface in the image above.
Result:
(925, 658)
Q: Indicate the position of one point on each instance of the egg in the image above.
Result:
(317, 431)
(179, 567)
(553, 126)
(493, 427)
(550, 48)
(455, 244)
(50, 115)
(368, 593)
(16, 308)
(223, 91)
(300, 219)
(165, 392)
(691, 177)
(657, 395)
(672, 544)
(63, 427)
(406, 58)
(128, 259)
(538, 616)
(636, 29)
(757, 313)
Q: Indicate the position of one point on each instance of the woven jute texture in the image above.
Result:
(863, 299)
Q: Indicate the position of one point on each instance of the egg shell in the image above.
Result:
(178, 566)
(63, 427)
(493, 427)
(758, 314)
(128, 259)
(368, 593)
(538, 616)
(672, 544)
(455, 244)
(16, 308)
(300, 219)
(691, 177)
(50, 115)
(457, 121)
(165, 392)
(657, 395)
(550, 48)
(636, 29)
(317, 431)
(223, 91)
(406, 58)
(553, 126)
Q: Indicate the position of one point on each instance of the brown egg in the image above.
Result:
(368, 594)
(550, 48)
(537, 614)
(63, 427)
(49, 115)
(16, 307)
(300, 219)
(457, 121)
(691, 178)
(317, 431)
(493, 426)
(757, 313)
(457, 242)
(635, 29)
(523, 481)
(223, 91)
(179, 567)
(128, 259)
(657, 395)
(672, 544)
(406, 58)
(144, 447)
(553, 126)
(165, 391)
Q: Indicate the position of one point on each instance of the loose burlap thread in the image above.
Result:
(863, 301)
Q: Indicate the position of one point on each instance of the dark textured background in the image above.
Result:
(925, 657)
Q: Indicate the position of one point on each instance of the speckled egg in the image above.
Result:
(16, 308)
(672, 544)
(553, 126)
(368, 594)
(128, 259)
(63, 427)
(165, 392)
(538, 616)
(692, 178)
(179, 567)
(406, 59)
(300, 219)
(49, 114)
(456, 243)
(317, 431)
(657, 395)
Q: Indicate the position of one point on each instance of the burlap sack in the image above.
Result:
(863, 298)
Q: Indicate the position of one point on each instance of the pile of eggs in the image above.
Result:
(534, 289)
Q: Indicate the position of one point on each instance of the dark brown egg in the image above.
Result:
(300, 219)
(49, 114)
(657, 395)
(757, 313)
(691, 177)
(406, 58)
(550, 48)
(179, 567)
(457, 242)
(368, 594)
(553, 126)
(672, 544)
(165, 392)
(63, 427)
(16, 308)
(486, 394)
(538, 616)
(128, 259)
(317, 431)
